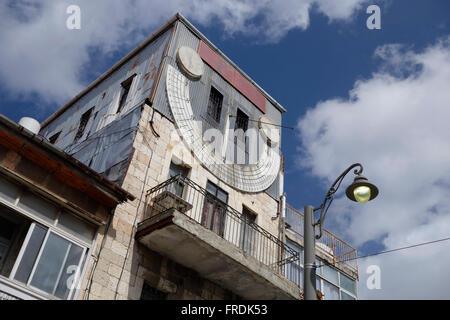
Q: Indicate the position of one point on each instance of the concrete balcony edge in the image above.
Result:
(185, 241)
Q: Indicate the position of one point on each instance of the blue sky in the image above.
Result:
(354, 82)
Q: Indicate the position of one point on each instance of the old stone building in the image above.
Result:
(198, 143)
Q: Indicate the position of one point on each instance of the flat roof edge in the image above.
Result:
(132, 53)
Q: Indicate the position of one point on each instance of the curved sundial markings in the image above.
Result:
(247, 178)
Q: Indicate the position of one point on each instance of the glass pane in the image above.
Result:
(294, 273)
(222, 195)
(8, 191)
(345, 296)
(211, 188)
(75, 226)
(330, 292)
(37, 206)
(330, 274)
(348, 284)
(71, 272)
(30, 254)
(50, 263)
(296, 248)
(3, 251)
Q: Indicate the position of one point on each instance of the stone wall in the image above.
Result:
(124, 265)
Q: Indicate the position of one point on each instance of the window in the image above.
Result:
(294, 271)
(49, 261)
(126, 85)
(248, 232)
(330, 274)
(215, 104)
(7, 230)
(83, 122)
(347, 283)
(345, 296)
(241, 139)
(41, 245)
(330, 292)
(149, 293)
(334, 284)
(54, 137)
(174, 170)
(214, 209)
(241, 121)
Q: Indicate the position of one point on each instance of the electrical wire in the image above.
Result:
(392, 250)
(271, 124)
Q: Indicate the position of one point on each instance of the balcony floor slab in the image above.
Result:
(185, 241)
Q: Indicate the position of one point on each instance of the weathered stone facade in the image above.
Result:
(124, 265)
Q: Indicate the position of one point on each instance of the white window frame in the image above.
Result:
(321, 278)
(52, 227)
(36, 261)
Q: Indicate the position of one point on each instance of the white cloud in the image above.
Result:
(41, 57)
(396, 124)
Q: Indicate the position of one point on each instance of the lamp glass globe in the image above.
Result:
(362, 194)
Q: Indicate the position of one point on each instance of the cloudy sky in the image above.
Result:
(378, 97)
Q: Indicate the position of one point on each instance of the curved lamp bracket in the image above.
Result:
(330, 195)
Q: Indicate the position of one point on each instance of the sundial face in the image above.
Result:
(254, 177)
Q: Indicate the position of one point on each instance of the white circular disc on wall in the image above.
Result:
(190, 62)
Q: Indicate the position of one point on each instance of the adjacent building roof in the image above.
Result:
(63, 166)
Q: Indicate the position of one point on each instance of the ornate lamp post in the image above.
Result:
(361, 190)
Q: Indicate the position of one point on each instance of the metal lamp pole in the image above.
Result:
(361, 190)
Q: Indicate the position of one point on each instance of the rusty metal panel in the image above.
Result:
(108, 136)
(109, 146)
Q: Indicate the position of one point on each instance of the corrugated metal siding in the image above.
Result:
(105, 127)
(199, 95)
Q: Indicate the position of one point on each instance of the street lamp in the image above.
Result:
(361, 190)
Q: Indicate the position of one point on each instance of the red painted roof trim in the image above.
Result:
(234, 77)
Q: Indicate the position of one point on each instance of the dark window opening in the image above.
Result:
(13, 229)
(248, 230)
(54, 137)
(149, 293)
(240, 139)
(126, 85)
(215, 104)
(214, 209)
(241, 121)
(83, 122)
(175, 170)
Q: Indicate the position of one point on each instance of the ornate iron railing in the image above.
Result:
(201, 206)
(340, 251)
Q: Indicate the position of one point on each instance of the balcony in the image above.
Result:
(337, 251)
(196, 229)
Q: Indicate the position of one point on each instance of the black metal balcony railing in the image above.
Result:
(201, 206)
